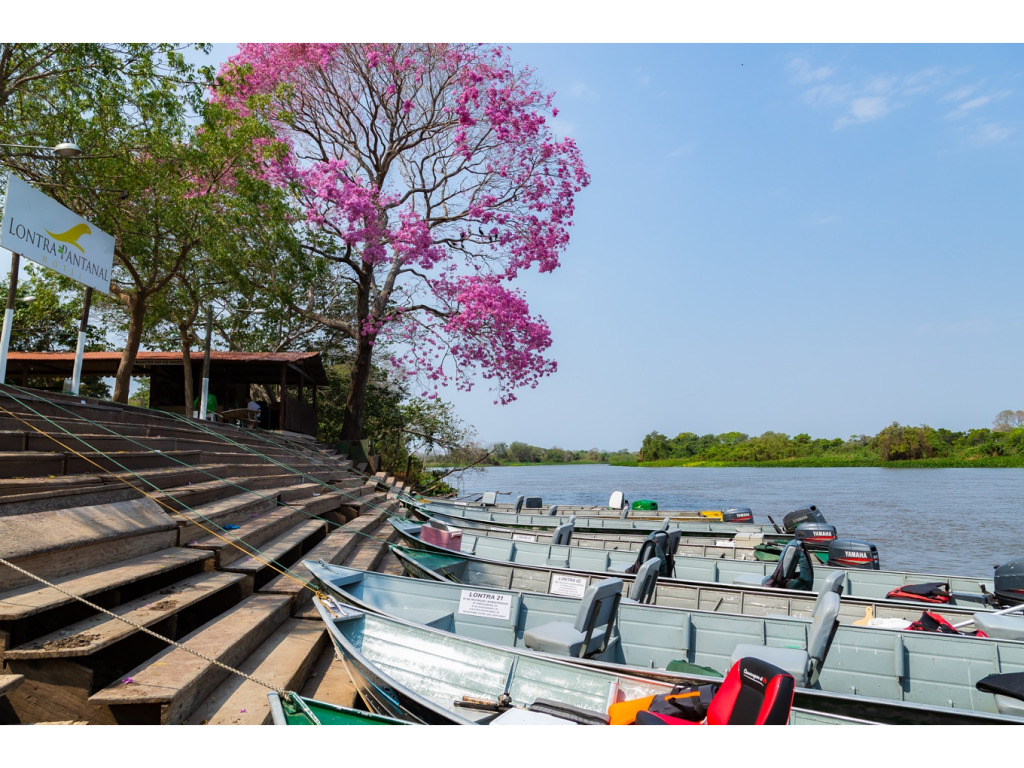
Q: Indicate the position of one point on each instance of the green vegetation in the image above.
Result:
(897, 445)
(518, 454)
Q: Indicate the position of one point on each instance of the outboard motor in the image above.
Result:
(534, 502)
(809, 514)
(815, 535)
(738, 515)
(848, 553)
(618, 501)
(1009, 583)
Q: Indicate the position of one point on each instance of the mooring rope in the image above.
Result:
(139, 627)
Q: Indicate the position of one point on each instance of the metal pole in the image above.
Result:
(76, 376)
(5, 338)
(206, 364)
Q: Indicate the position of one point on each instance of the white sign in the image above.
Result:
(41, 229)
(523, 537)
(567, 586)
(491, 605)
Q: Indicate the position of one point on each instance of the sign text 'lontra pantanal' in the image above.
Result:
(41, 229)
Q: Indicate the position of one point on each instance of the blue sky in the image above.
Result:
(797, 237)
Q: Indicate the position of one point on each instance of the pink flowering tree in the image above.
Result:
(427, 178)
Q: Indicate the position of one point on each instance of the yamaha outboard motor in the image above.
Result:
(809, 514)
(848, 553)
(738, 515)
(815, 535)
(1009, 583)
(534, 502)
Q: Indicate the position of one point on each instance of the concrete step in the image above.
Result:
(174, 683)
(64, 668)
(280, 553)
(9, 682)
(71, 540)
(34, 610)
(284, 661)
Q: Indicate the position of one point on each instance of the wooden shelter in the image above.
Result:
(291, 377)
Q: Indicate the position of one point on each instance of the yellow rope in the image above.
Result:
(253, 552)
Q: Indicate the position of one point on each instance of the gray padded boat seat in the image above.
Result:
(553, 509)
(592, 629)
(803, 665)
(1008, 688)
(1000, 627)
(562, 535)
(833, 583)
(646, 579)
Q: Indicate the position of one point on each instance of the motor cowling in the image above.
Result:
(1009, 583)
(815, 533)
(849, 553)
(809, 514)
(738, 515)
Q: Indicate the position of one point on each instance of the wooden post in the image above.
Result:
(284, 395)
(5, 338)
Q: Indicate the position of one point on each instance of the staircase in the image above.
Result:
(156, 535)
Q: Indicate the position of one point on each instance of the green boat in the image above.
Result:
(292, 709)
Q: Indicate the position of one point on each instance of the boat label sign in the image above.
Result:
(523, 537)
(490, 605)
(568, 586)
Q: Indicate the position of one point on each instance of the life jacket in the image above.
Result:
(932, 622)
(658, 544)
(932, 592)
(684, 703)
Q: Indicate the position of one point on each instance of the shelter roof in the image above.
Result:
(255, 367)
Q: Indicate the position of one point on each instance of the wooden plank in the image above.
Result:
(280, 551)
(230, 546)
(168, 688)
(284, 661)
(338, 546)
(27, 601)
(330, 681)
(100, 631)
(9, 683)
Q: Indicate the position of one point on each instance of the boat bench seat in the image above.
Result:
(438, 619)
(1000, 627)
(752, 579)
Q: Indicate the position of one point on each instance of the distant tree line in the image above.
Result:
(1003, 444)
(499, 454)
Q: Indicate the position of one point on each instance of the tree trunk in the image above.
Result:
(352, 421)
(186, 365)
(122, 381)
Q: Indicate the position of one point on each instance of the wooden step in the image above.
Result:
(31, 611)
(71, 540)
(168, 688)
(284, 661)
(330, 681)
(338, 546)
(280, 553)
(202, 520)
(9, 682)
(231, 545)
(64, 668)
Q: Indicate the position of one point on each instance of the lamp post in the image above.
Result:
(206, 351)
(64, 149)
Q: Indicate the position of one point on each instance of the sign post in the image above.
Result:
(39, 228)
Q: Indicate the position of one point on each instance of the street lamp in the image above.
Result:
(206, 350)
(64, 149)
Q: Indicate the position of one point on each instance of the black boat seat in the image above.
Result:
(1002, 626)
(646, 579)
(591, 631)
(1008, 689)
(803, 664)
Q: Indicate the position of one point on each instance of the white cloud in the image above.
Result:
(680, 151)
(642, 78)
(803, 72)
(991, 133)
(581, 90)
(864, 110)
(961, 112)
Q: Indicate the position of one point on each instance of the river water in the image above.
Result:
(941, 521)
